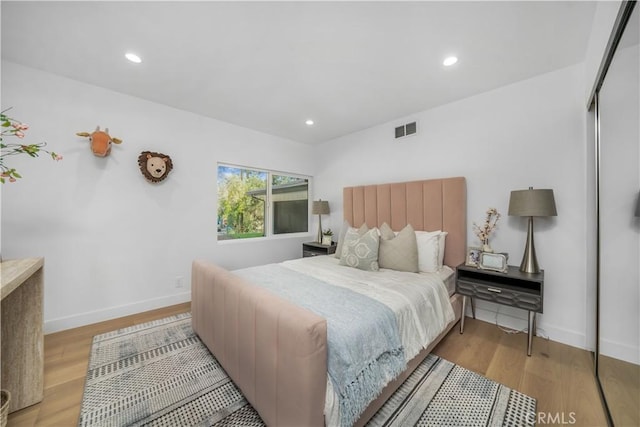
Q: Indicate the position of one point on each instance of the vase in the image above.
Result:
(486, 247)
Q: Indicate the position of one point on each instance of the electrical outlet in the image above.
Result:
(179, 283)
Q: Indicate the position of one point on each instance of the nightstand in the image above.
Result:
(513, 288)
(315, 249)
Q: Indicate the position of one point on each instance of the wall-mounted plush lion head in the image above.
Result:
(154, 166)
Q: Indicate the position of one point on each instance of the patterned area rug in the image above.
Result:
(160, 374)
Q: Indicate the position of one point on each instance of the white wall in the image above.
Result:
(603, 21)
(619, 229)
(620, 300)
(531, 133)
(114, 243)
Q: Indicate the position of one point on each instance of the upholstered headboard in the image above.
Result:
(433, 204)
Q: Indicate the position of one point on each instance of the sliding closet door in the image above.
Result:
(619, 230)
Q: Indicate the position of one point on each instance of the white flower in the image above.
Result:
(488, 227)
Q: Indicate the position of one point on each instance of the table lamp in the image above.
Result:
(531, 203)
(320, 207)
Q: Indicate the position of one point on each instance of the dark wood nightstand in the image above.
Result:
(513, 288)
(315, 249)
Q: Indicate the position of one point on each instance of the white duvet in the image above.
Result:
(420, 302)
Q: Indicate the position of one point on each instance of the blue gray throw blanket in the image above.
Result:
(364, 348)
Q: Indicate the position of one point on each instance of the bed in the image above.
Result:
(276, 351)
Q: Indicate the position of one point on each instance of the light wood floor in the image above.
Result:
(558, 376)
(621, 384)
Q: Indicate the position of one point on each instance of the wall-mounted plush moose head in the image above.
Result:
(154, 166)
(100, 141)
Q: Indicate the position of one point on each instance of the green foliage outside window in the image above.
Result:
(240, 215)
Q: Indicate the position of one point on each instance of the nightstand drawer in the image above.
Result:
(500, 295)
(315, 249)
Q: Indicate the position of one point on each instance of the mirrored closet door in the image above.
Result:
(618, 164)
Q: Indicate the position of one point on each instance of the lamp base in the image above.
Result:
(529, 261)
(319, 238)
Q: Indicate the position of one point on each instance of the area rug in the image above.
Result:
(160, 374)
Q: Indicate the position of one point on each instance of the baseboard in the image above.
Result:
(619, 350)
(507, 319)
(82, 319)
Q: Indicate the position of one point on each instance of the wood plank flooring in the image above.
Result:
(621, 384)
(559, 376)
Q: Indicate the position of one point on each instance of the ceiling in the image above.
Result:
(270, 66)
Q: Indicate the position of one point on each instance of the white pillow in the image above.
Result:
(431, 246)
(441, 246)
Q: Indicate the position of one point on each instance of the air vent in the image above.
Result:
(406, 130)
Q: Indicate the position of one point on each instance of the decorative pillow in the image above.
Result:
(398, 251)
(428, 251)
(361, 251)
(343, 231)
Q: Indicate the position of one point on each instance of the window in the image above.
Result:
(258, 203)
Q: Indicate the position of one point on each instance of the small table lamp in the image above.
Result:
(531, 203)
(320, 207)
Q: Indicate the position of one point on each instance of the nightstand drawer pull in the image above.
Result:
(497, 291)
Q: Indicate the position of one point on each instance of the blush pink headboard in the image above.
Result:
(429, 205)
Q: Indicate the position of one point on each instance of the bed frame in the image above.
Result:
(275, 351)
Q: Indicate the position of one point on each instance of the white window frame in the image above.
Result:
(268, 235)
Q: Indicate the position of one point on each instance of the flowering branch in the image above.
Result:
(490, 224)
(13, 127)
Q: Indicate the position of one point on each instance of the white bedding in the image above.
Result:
(420, 302)
(448, 276)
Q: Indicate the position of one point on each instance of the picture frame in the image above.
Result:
(494, 261)
(473, 256)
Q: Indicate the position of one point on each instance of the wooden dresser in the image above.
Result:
(22, 342)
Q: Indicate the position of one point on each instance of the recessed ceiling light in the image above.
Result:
(449, 61)
(133, 57)
(309, 122)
